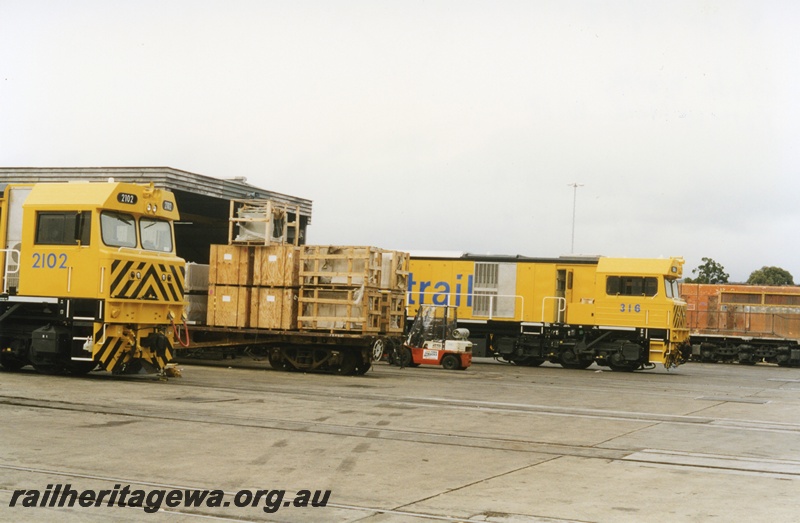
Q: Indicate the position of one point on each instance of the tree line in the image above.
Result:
(712, 272)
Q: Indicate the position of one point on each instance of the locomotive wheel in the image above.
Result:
(81, 367)
(747, 355)
(619, 364)
(527, 362)
(622, 368)
(11, 364)
(450, 362)
(48, 368)
(569, 360)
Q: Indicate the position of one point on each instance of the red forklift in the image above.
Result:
(434, 339)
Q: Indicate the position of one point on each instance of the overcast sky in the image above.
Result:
(446, 125)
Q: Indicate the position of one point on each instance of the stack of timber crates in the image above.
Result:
(254, 286)
(264, 280)
(352, 289)
(334, 289)
(254, 280)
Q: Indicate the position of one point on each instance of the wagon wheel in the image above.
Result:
(377, 349)
(347, 365)
(450, 362)
(362, 369)
(276, 361)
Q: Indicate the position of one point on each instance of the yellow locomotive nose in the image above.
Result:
(97, 262)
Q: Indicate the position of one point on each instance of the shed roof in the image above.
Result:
(165, 177)
(203, 202)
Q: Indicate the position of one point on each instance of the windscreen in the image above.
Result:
(156, 235)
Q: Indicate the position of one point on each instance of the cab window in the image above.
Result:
(156, 235)
(118, 229)
(631, 286)
(63, 228)
(671, 288)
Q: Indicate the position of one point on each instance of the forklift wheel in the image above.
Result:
(450, 362)
(406, 360)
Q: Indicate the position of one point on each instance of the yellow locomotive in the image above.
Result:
(89, 277)
(623, 313)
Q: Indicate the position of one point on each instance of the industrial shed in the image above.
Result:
(203, 201)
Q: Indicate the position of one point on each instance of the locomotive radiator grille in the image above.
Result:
(146, 281)
(679, 317)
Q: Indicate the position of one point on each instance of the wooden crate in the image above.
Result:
(228, 306)
(340, 266)
(276, 266)
(353, 310)
(230, 265)
(394, 270)
(264, 222)
(393, 312)
(274, 308)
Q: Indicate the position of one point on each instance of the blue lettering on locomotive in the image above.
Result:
(439, 292)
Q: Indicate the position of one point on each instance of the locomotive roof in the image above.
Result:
(500, 258)
(62, 196)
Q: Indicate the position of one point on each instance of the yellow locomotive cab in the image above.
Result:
(90, 276)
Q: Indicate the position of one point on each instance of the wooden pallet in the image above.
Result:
(394, 270)
(393, 312)
(353, 310)
(263, 222)
(340, 265)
